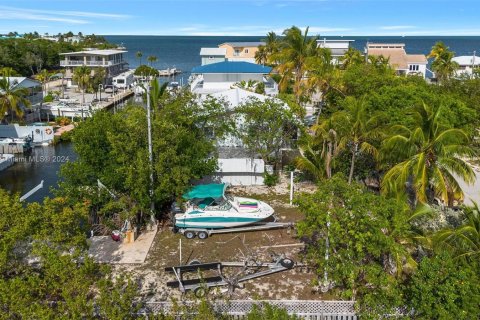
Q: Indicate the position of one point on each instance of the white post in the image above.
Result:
(291, 187)
(180, 250)
(150, 154)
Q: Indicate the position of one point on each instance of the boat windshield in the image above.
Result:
(222, 206)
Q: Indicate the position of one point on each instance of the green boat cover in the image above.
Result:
(203, 191)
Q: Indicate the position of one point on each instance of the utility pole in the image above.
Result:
(150, 155)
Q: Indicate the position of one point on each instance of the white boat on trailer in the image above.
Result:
(208, 209)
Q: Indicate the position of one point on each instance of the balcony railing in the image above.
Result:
(73, 63)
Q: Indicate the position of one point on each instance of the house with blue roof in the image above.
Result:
(221, 76)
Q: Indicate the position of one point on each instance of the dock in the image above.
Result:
(168, 72)
(6, 161)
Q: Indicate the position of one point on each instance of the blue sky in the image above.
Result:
(242, 17)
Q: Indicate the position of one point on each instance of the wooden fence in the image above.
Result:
(306, 309)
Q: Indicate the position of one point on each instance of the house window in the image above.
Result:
(236, 53)
(210, 57)
(246, 50)
(413, 67)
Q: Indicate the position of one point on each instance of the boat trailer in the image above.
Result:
(202, 234)
(250, 269)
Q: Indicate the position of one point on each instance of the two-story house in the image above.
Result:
(466, 65)
(403, 63)
(111, 60)
(241, 51)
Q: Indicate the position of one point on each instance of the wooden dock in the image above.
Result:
(112, 101)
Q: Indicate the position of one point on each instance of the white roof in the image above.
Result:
(23, 82)
(238, 96)
(213, 51)
(94, 52)
(466, 60)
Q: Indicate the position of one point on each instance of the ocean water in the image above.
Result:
(183, 53)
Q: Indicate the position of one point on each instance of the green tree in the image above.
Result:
(353, 242)
(98, 79)
(358, 129)
(139, 56)
(443, 64)
(429, 156)
(442, 288)
(82, 76)
(44, 76)
(295, 49)
(12, 98)
(152, 60)
(269, 312)
(351, 57)
(265, 127)
(464, 240)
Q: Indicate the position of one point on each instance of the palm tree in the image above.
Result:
(443, 64)
(8, 72)
(295, 49)
(98, 79)
(152, 60)
(157, 92)
(437, 50)
(43, 76)
(358, 129)
(351, 57)
(12, 98)
(318, 150)
(429, 157)
(323, 75)
(82, 76)
(464, 241)
(261, 56)
(139, 56)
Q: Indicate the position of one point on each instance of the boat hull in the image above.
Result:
(224, 219)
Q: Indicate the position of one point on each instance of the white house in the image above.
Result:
(221, 76)
(466, 64)
(38, 133)
(235, 165)
(338, 47)
(213, 55)
(111, 60)
(403, 63)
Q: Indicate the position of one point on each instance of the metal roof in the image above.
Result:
(232, 67)
(244, 44)
(213, 51)
(467, 60)
(94, 52)
(8, 131)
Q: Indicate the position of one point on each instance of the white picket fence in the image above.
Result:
(306, 309)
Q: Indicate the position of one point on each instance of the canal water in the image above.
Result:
(43, 163)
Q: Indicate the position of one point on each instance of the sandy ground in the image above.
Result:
(291, 284)
(104, 250)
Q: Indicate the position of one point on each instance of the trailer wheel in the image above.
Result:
(287, 263)
(203, 235)
(189, 234)
(200, 292)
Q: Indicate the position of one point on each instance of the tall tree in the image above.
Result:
(152, 60)
(295, 49)
(429, 156)
(139, 56)
(358, 129)
(443, 64)
(82, 76)
(12, 98)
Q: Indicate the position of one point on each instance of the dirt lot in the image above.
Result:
(291, 284)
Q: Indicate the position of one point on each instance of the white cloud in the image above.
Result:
(69, 17)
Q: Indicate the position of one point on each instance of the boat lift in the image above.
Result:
(191, 233)
(251, 269)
